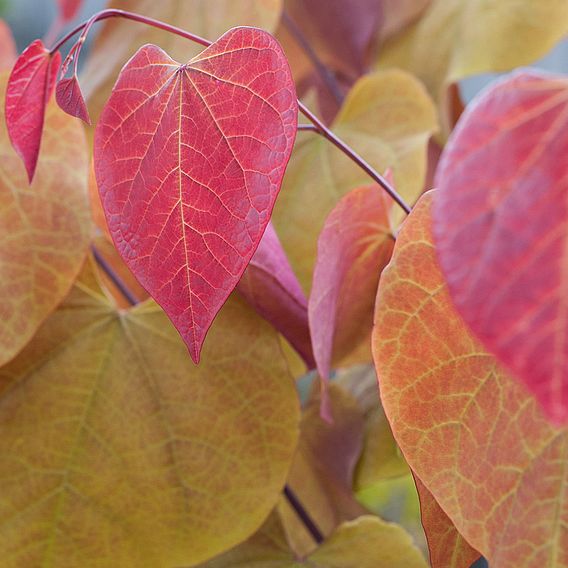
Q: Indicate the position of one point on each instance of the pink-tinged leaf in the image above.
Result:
(69, 9)
(501, 229)
(29, 89)
(447, 547)
(70, 98)
(189, 159)
(353, 248)
(271, 287)
(8, 50)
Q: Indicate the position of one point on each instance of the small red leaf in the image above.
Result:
(70, 98)
(189, 160)
(501, 229)
(29, 89)
(271, 287)
(353, 247)
(69, 9)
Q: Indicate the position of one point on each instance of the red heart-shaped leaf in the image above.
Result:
(189, 159)
(501, 229)
(29, 88)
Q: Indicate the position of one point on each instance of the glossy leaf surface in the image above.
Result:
(271, 287)
(455, 39)
(387, 118)
(474, 436)
(354, 246)
(189, 160)
(501, 229)
(45, 227)
(29, 89)
(448, 549)
(119, 39)
(117, 451)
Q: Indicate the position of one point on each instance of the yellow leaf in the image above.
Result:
(366, 542)
(267, 548)
(45, 226)
(388, 119)
(369, 542)
(117, 451)
(455, 39)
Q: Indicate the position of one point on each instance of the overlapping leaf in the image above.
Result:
(29, 89)
(367, 542)
(448, 549)
(355, 244)
(45, 228)
(189, 160)
(341, 31)
(387, 118)
(380, 458)
(271, 287)
(117, 451)
(476, 439)
(455, 39)
(501, 228)
(322, 472)
(119, 39)
(342, 35)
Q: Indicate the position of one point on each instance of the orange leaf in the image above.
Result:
(448, 548)
(475, 437)
(46, 227)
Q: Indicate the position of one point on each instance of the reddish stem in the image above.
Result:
(112, 13)
(320, 127)
(324, 131)
(114, 277)
(327, 76)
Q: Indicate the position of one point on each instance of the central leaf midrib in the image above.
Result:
(179, 84)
